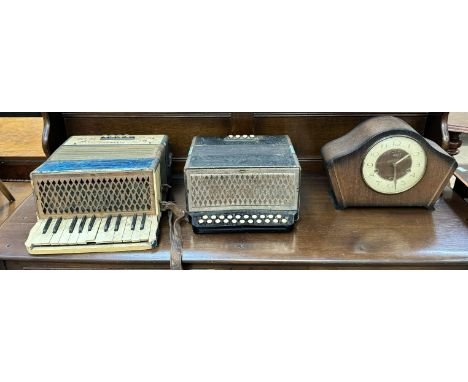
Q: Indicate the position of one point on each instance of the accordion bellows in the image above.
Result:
(96, 191)
(240, 183)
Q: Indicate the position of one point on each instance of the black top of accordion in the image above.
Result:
(242, 151)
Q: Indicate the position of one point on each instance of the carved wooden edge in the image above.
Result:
(437, 129)
(53, 134)
(454, 138)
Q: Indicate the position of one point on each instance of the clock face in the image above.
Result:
(394, 165)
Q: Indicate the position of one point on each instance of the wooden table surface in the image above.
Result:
(323, 238)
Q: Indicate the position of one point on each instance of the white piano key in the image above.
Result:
(118, 235)
(91, 235)
(65, 234)
(154, 228)
(32, 238)
(104, 237)
(137, 232)
(55, 240)
(73, 239)
(145, 232)
(41, 238)
(127, 235)
(82, 237)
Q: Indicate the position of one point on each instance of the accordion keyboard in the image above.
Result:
(93, 234)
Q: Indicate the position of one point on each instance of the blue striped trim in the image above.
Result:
(97, 165)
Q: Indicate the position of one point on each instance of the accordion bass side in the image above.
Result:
(242, 183)
(100, 194)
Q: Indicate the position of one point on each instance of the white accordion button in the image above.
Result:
(259, 221)
(234, 221)
(267, 220)
(250, 221)
(244, 136)
(238, 216)
(246, 216)
(262, 216)
(205, 217)
(274, 220)
(270, 216)
(284, 221)
(217, 221)
(201, 221)
(221, 217)
(213, 216)
(254, 216)
(209, 221)
(252, 136)
(226, 221)
(242, 221)
(278, 216)
(229, 216)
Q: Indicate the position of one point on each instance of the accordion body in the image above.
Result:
(242, 183)
(100, 193)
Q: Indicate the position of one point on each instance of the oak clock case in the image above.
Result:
(384, 162)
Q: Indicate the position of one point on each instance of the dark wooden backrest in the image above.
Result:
(308, 131)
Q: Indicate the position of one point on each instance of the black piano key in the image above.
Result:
(73, 224)
(82, 224)
(108, 221)
(57, 225)
(117, 223)
(143, 220)
(47, 225)
(91, 223)
(133, 222)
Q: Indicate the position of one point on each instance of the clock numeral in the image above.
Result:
(369, 164)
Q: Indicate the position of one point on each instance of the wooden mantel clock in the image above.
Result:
(384, 162)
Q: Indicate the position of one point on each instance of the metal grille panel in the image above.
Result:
(242, 190)
(65, 195)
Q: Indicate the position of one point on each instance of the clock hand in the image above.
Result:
(401, 160)
(394, 175)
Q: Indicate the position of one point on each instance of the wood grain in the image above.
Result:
(322, 238)
(21, 137)
(20, 190)
(344, 157)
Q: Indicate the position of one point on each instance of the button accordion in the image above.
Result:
(100, 194)
(242, 183)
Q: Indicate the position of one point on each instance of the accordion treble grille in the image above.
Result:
(61, 196)
(243, 190)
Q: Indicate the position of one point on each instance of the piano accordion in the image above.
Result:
(242, 183)
(100, 194)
